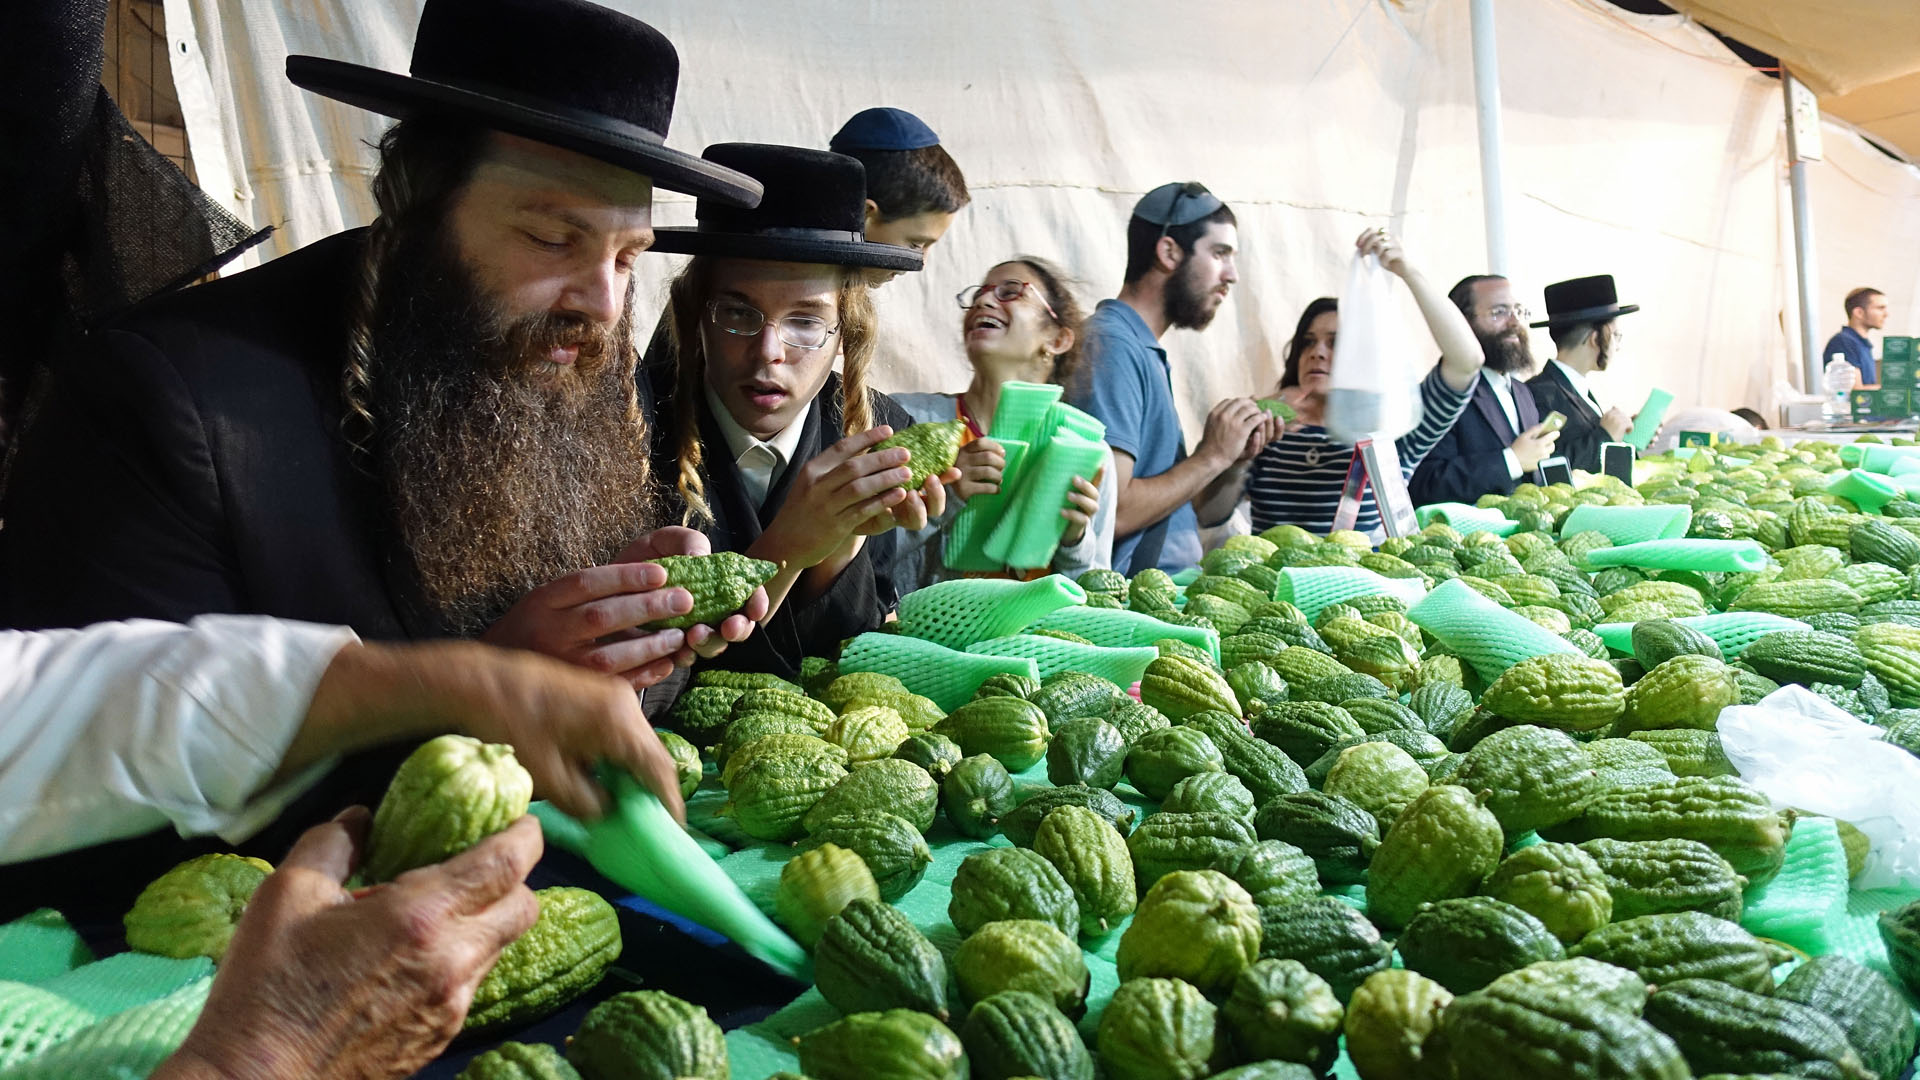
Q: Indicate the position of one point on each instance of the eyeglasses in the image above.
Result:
(1502, 312)
(1006, 292)
(745, 320)
(1192, 189)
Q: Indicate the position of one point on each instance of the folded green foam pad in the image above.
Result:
(960, 612)
(1868, 491)
(1646, 422)
(1809, 893)
(1733, 556)
(1047, 443)
(126, 1046)
(37, 946)
(1630, 524)
(1122, 667)
(964, 548)
(1119, 628)
(1029, 531)
(1486, 635)
(1733, 631)
(1466, 518)
(1311, 588)
(946, 676)
(1906, 464)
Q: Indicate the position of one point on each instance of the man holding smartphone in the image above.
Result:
(1581, 316)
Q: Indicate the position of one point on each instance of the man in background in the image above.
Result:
(1866, 310)
(1581, 316)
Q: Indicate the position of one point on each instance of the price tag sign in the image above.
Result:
(1376, 465)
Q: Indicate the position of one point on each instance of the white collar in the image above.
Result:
(1499, 381)
(740, 440)
(1574, 378)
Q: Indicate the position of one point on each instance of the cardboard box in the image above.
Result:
(1696, 438)
(1894, 348)
(1898, 374)
(1882, 404)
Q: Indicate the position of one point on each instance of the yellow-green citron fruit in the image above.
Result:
(191, 910)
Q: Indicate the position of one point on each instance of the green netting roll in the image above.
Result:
(639, 846)
(1733, 556)
(33, 1019)
(947, 676)
(1630, 524)
(964, 546)
(1906, 465)
(1876, 457)
(125, 1046)
(1022, 409)
(1466, 518)
(1487, 635)
(1119, 628)
(1311, 588)
(960, 612)
(1122, 667)
(1809, 893)
(122, 981)
(39, 945)
(1868, 491)
(1733, 631)
(1030, 529)
(1646, 422)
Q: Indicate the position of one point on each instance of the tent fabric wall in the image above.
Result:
(1635, 145)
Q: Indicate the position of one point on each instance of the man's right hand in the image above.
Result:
(318, 984)
(1616, 423)
(1237, 430)
(1533, 446)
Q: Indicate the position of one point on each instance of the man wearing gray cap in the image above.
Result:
(1180, 266)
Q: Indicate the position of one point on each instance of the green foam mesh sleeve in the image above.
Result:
(122, 981)
(1877, 457)
(1486, 635)
(1021, 412)
(1311, 588)
(1030, 529)
(960, 612)
(1868, 491)
(1646, 422)
(1733, 631)
(1906, 464)
(39, 945)
(1119, 628)
(947, 676)
(964, 546)
(1122, 667)
(1809, 893)
(33, 1019)
(1736, 556)
(640, 846)
(1466, 518)
(126, 1046)
(1630, 524)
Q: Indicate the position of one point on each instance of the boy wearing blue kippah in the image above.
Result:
(914, 188)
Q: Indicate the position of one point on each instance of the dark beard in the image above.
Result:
(504, 472)
(1186, 303)
(1507, 355)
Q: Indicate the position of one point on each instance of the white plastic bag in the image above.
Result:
(1368, 395)
(1803, 751)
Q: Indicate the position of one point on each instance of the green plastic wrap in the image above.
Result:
(1029, 530)
(120, 982)
(1868, 491)
(1311, 588)
(960, 612)
(1733, 556)
(964, 547)
(39, 945)
(947, 676)
(127, 1046)
(1630, 524)
(1118, 628)
(1808, 895)
(1733, 631)
(640, 846)
(1646, 422)
(1466, 518)
(1120, 666)
(1485, 634)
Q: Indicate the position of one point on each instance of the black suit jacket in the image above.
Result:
(1468, 461)
(857, 601)
(1580, 439)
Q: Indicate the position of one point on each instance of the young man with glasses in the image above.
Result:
(1500, 440)
(764, 445)
(1181, 243)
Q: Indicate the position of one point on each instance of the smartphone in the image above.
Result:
(1616, 460)
(1554, 421)
(1556, 470)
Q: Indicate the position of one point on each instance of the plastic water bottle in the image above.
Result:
(1841, 377)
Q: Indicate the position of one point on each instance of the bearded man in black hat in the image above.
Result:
(1580, 316)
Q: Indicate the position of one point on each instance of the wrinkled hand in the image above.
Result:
(1533, 446)
(1381, 245)
(319, 984)
(1237, 430)
(836, 495)
(1082, 500)
(703, 641)
(982, 464)
(1616, 423)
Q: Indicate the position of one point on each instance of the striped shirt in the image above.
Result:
(1298, 479)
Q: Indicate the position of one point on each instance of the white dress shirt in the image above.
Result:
(1579, 383)
(1502, 386)
(760, 463)
(120, 728)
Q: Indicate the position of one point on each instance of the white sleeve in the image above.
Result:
(120, 728)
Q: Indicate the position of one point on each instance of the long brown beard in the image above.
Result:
(1508, 355)
(1186, 301)
(504, 472)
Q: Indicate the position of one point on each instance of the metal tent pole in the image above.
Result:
(1803, 145)
(1486, 94)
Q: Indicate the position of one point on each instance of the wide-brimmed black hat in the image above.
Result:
(813, 210)
(563, 72)
(1585, 299)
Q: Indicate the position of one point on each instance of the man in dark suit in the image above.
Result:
(1580, 316)
(1499, 440)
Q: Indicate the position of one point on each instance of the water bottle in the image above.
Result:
(1841, 377)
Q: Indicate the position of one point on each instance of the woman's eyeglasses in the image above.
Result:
(1006, 292)
(745, 320)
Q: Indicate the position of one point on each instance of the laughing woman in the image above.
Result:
(765, 445)
(1022, 323)
(1299, 477)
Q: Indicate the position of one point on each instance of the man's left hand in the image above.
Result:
(703, 641)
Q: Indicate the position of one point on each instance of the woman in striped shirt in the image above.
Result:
(1299, 477)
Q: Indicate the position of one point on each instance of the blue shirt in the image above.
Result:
(1125, 382)
(1858, 349)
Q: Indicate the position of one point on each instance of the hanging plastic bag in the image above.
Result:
(1805, 752)
(1368, 394)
